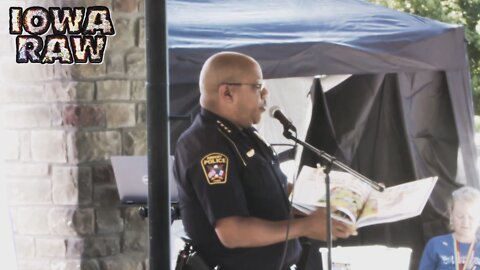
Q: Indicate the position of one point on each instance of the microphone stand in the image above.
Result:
(330, 162)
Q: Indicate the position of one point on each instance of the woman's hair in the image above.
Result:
(465, 194)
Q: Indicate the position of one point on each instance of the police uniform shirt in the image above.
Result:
(223, 171)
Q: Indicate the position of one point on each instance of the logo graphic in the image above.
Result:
(215, 167)
(78, 35)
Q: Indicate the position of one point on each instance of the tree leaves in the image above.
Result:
(465, 12)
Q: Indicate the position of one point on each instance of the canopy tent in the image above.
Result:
(405, 113)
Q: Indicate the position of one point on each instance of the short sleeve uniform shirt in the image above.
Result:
(223, 171)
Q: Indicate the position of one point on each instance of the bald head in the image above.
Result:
(222, 68)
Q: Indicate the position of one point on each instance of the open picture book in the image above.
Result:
(356, 202)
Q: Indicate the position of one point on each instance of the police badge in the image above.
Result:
(215, 167)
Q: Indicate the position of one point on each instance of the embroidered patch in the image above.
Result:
(215, 167)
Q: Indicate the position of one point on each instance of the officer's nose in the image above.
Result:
(264, 92)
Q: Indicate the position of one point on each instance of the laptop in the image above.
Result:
(131, 175)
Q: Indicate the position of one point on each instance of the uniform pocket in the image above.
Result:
(264, 192)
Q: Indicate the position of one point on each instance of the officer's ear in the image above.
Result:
(225, 93)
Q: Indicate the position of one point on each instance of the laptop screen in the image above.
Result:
(131, 175)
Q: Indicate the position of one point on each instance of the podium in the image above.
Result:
(375, 257)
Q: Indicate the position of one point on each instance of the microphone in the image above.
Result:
(275, 112)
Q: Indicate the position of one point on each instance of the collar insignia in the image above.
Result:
(222, 125)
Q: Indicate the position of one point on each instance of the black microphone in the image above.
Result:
(275, 112)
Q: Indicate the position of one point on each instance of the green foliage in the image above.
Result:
(476, 124)
(465, 12)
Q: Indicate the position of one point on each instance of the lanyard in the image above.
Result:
(456, 251)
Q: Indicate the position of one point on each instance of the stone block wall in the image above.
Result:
(59, 125)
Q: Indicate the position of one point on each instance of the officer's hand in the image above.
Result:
(317, 226)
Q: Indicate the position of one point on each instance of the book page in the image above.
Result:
(347, 193)
(397, 202)
(308, 189)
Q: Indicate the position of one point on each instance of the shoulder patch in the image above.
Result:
(215, 167)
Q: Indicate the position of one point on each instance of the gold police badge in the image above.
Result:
(215, 167)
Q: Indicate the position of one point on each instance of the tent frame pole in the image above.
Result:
(158, 134)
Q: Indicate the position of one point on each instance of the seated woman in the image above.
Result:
(459, 250)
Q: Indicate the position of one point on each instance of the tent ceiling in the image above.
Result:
(309, 37)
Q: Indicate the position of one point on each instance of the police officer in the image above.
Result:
(233, 196)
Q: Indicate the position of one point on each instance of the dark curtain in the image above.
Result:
(183, 108)
(392, 128)
(324, 132)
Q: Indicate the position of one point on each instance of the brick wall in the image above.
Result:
(59, 126)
